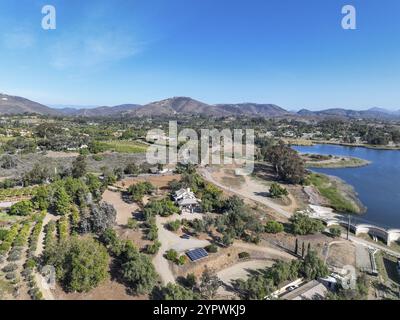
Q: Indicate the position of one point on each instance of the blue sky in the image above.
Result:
(289, 52)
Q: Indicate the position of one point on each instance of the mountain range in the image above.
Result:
(11, 105)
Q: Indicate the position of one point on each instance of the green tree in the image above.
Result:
(62, 201)
(303, 224)
(79, 167)
(274, 227)
(209, 284)
(22, 208)
(313, 267)
(177, 293)
(139, 190)
(286, 162)
(256, 287)
(81, 264)
(41, 198)
(139, 273)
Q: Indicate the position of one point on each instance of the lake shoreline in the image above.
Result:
(310, 143)
(336, 162)
(333, 192)
(376, 185)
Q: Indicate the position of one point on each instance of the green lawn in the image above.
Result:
(124, 146)
(329, 191)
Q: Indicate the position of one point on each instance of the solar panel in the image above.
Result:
(197, 254)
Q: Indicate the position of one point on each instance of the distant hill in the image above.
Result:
(373, 113)
(16, 105)
(254, 109)
(100, 111)
(175, 106)
(187, 106)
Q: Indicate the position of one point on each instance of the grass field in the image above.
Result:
(331, 192)
(124, 146)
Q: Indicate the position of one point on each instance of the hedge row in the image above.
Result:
(23, 235)
(63, 229)
(5, 246)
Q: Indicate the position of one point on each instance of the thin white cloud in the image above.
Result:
(18, 39)
(86, 52)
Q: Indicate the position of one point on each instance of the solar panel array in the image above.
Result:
(197, 254)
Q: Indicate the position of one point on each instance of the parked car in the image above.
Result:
(185, 236)
(292, 288)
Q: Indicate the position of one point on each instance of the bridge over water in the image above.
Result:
(386, 234)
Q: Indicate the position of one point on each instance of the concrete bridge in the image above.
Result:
(387, 235)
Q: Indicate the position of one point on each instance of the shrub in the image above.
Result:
(132, 224)
(10, 267)
(181, 260)
(23, 235)
(174, 225)
(212, 248)
(244, 255)
(97, 157)
(274, 227)
(152, 233)
(11, 276)
(14, 256)
(276, 191)
(171, 255)
(30, 264)
(3, 234)
(335, 232)
(153, 248)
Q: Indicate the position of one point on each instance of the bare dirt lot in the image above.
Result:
(109, 290)
(124, 210)
(160, 181)
(342, 254)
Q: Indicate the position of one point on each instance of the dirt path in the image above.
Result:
(253, 193)
(170, 240)
(40, 246)
(124, 210)
(43, 287)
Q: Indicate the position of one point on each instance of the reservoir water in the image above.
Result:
(377, 185)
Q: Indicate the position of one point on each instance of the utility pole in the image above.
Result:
(348, 227)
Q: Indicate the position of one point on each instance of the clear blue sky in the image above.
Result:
(290, 52)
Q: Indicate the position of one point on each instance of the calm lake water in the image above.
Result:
(377, 185)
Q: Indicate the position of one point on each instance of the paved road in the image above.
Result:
(260, 199)
(372, 245)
